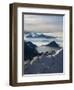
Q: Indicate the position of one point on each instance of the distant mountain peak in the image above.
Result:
(53, 44)
(30, 43)
(37, 35)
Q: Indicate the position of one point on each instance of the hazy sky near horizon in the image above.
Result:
(43, 23)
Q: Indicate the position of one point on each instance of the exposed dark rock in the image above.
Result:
(53, 44)
(46, 64)
(29, 51)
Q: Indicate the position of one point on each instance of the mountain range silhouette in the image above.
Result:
(30, 50)
(35, 35)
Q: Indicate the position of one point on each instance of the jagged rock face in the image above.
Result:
(29, 50)
(46, 64)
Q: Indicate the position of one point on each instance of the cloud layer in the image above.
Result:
(43, 23)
